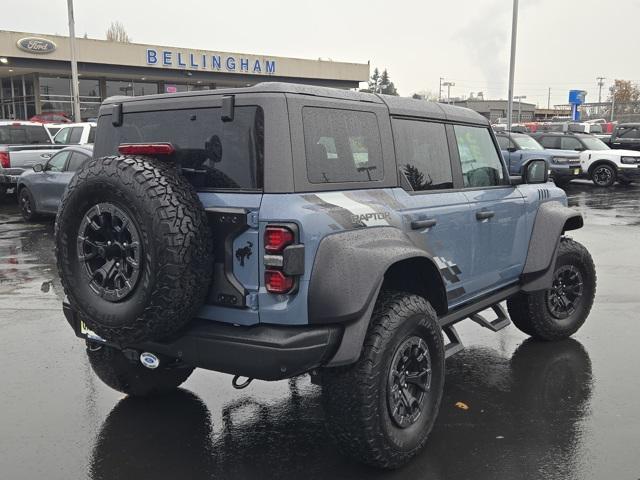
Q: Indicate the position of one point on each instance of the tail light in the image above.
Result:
(277, 238)
(284, 259)
(5, 160)
(146, 149)
(277, 282)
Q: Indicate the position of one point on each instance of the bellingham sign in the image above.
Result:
(203, 61)
(36, 45)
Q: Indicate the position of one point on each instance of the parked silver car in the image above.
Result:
(40, 189)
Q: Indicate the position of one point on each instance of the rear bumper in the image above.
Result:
(265, 352)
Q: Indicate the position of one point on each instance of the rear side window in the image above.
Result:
(214, 155)
(481, 165)
(341, 145)
(422, 153)
(23, 135)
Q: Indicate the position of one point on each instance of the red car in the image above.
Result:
(51, 117)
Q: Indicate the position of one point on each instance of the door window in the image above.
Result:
(481, 164)
(341, 145)
(629, 132)
(570, 143)
(76, 135)
(56, 163)
(62, 137)
(75, 161)
(423, 154)
(503, 142)
(550, 141)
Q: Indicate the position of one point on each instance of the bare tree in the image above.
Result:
(117, 33)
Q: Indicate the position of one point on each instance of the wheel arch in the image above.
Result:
(602, 161)
(351, 267)
(552, 221)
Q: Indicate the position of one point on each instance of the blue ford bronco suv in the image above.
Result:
(277, 230)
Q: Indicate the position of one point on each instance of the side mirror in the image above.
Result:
(535, 171)
(38, 167)
(512, 149)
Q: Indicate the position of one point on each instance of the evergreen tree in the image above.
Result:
(386, 85)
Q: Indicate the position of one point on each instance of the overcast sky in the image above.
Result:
(562, 44)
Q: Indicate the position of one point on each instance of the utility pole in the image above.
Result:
(549, 100)
(512, 62)
(519, 98)
(600, 85)
(74, 64)
(440, 90)
(448, 85)
(613, 100)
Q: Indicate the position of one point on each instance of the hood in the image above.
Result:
(622, 153)
(563, 153)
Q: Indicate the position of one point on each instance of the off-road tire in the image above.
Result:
(131, 377)
(176, 258)
(530, 312)
(27, 205)
(355, 397)
(596, 175)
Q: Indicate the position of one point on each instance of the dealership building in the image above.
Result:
(35, 72)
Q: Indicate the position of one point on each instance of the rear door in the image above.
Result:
(438, 217)
(498, 234)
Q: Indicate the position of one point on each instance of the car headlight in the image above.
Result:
(560, 160)
(630, 160)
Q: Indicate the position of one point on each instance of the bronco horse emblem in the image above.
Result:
(244, 252)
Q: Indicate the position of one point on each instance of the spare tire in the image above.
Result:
(133, 247)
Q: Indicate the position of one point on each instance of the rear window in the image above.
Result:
(23, 135)
(341, 145)
(214, 155)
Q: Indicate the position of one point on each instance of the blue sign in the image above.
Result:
(202, 61)
(576, 97)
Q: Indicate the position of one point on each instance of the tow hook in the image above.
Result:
(240, 386)
(149, 360)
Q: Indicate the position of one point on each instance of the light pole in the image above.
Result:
(74, 64)
(519, 98)
(600, 85)
(448, 85)
(512, 62)
(613, 100)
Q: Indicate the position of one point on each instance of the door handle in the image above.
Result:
(484, 214)
(420, 224)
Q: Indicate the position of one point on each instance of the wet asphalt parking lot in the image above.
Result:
(567, 410)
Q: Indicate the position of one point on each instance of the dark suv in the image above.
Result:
(278, 230)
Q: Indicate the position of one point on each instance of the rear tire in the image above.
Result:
(132, 378)
(376, 411)
(603, 175)
(133, 247)
(560, 311)
(27, 205)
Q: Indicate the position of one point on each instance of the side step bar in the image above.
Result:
(472, 312)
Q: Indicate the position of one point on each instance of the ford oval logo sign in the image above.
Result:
(36, 45)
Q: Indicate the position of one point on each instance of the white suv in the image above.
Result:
(76, 134)
(598, 162)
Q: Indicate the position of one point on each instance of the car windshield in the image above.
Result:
(525, 142)
(593, 143)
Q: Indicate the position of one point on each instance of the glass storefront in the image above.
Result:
(18, 97)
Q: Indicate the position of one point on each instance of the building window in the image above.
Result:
(130, 89)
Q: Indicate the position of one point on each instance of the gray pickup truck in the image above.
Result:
(22, 145)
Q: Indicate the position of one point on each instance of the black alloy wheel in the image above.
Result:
(604, 176)
(108, 246)
(409, 381)
(565, 293)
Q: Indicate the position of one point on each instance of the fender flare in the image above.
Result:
(552, 220)
(349, 268)
(600, 161)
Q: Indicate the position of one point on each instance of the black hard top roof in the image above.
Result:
(397, 105)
